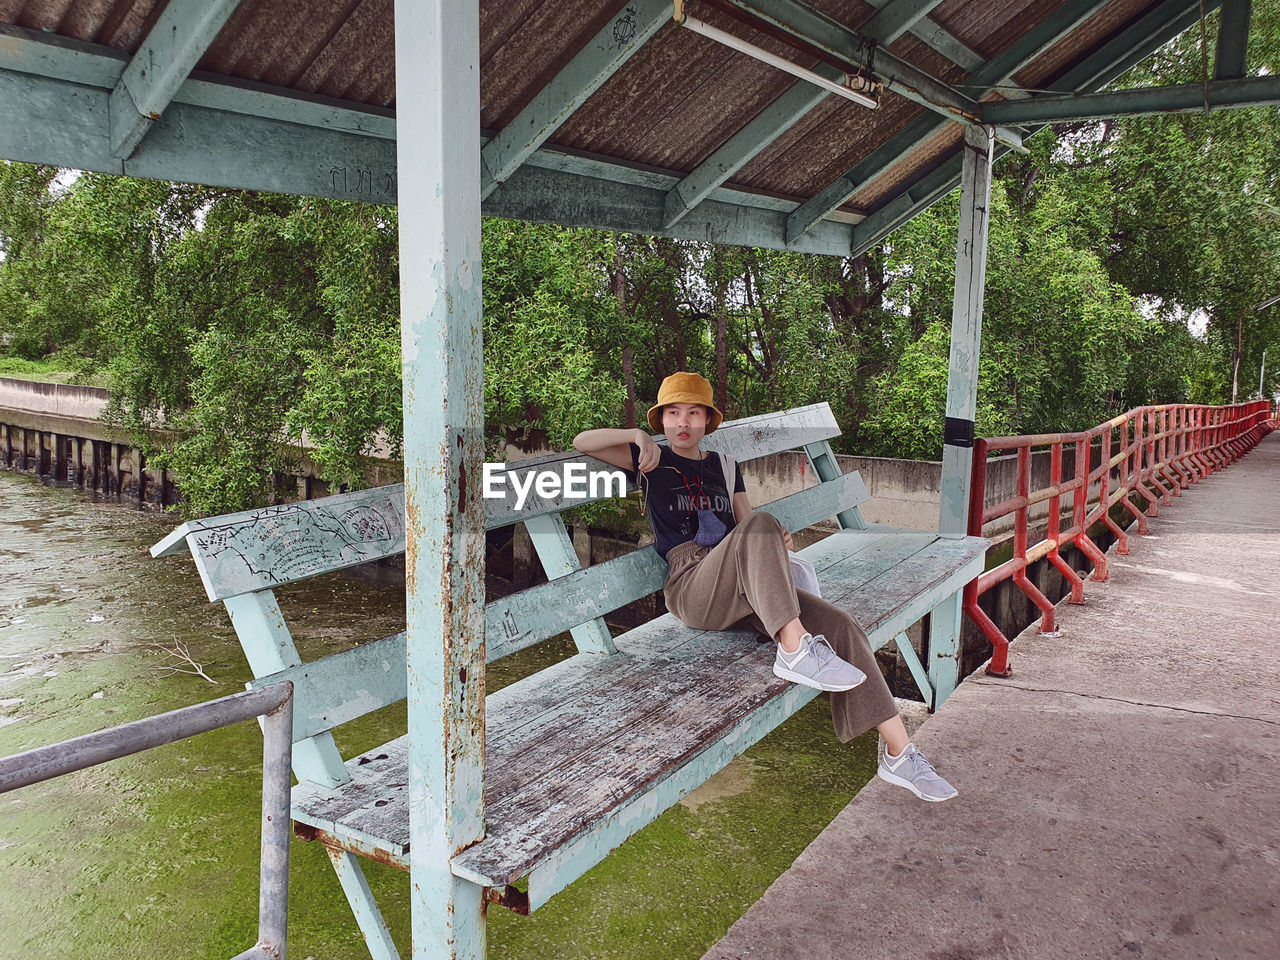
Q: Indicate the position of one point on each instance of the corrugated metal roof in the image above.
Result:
(669, 107)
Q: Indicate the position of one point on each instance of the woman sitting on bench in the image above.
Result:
(729, 567)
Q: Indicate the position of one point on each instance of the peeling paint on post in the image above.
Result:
(962, 391)
(438, 156)
(966, 327)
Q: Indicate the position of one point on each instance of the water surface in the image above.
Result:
(156, 855)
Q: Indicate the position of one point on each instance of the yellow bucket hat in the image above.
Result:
(685, 388)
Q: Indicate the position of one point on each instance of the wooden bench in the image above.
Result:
(584, 753)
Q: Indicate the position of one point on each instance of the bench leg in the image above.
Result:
(944, 648)
(908, 654)
(365, 908)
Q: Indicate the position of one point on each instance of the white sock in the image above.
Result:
(894, 757)
(792, 658)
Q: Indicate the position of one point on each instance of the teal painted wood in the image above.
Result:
(623, 708)
(49, 55)
(966, 327)
(944, 648)
(736, 152)
(1230, 59)
(908, 653)
(935, 36)
(269, 648)
(555, 551)
(899, 598)
(823, 461)
(595, 63)
(1111, 60)
(541, 194)
(244, 139)
(174, 45)
(895, 18)
(1231, 94)
(332, 690)
(437, 61)
(363, 905)
(257, 549)
(986, 76)
(572, 861)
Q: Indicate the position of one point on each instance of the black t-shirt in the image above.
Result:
(686, 499)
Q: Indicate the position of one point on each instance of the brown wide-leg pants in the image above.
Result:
(745, 580)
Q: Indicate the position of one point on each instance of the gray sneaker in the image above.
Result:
(815, 664)
(913, 771)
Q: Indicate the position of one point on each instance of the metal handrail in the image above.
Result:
(275, 705)
(1166, 447)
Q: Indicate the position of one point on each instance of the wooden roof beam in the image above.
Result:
(1233, 40)
(1179, 98)
(1043, 36)
(1110, 61)
(895, 18)
(165, 59)
(582, 76)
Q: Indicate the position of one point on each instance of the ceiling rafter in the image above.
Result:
(1127, 48)
(53, 109)
(582, 76)
(934, 35)
(1040, 38)
(166, 57)
(1233, 40)
(893, 19)
(1180, 98)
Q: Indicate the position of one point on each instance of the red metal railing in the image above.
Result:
(1151, 452)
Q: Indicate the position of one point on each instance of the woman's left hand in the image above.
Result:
(786, 538)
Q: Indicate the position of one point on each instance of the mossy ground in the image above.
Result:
(156, 855)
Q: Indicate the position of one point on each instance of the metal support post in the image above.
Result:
(966, 330)
(437, 45)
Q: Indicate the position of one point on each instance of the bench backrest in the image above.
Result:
(242, 556)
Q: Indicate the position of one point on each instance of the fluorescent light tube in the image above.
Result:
(764, 56)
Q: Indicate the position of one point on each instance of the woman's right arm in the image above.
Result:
(610, 445)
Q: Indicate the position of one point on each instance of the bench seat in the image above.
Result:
(584, 753)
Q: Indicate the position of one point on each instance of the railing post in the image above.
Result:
(1055, 523)
(1122, 538)
(1080, 521)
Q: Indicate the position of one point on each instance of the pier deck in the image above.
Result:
(1119, 795)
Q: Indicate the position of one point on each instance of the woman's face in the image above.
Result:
(685, 424)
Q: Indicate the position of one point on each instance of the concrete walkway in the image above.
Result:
(1119, 795)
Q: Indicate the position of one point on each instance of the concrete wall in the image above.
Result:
(52, 431)
(56, 399)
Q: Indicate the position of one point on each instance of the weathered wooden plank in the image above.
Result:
(556, 552)
(241, 552)
(616, 740)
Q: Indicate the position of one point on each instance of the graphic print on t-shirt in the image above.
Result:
(686, 499)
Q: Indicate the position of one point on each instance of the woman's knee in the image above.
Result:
(760, 522)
